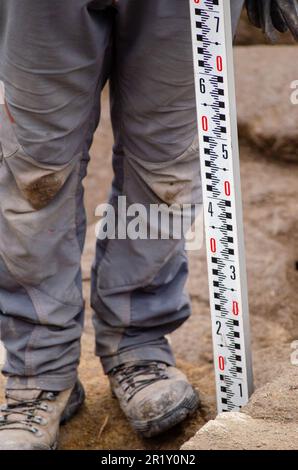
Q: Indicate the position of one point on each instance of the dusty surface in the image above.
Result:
(269, 421)
(271, 227)
(237, 431)
(265, 95)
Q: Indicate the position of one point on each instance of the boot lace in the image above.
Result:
(138, 376)
(22, 414)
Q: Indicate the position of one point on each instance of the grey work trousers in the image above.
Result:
(55, 58)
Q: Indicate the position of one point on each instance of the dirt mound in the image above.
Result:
(267, 99)
(269, 422)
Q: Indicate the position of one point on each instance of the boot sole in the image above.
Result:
(188, 405)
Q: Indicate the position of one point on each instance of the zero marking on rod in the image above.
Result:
(219, 154)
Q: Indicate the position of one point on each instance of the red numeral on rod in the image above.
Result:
(227, 188)
(221, 363)
(235, 308)
(219, 63)
(205, 123)
(213, 245)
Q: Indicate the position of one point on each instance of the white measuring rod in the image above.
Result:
(219, 154)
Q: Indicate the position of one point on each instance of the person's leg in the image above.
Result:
(53, 60)
(138, 285)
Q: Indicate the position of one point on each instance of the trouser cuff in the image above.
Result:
(53, 383)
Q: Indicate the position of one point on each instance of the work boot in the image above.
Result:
(30, 419)
(153, 395)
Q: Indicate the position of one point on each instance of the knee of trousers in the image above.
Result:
(24, 177)
(37, 209)
(174, 181)
(35, 184)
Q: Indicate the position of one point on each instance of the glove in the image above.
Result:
(274, 15)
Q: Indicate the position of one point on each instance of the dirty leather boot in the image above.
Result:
(153, 395)
(30, 419)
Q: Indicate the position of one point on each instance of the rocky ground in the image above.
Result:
(269, 421)
(269, 157)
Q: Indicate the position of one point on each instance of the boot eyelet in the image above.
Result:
(36, 432)
(51, 396)
(40, 420)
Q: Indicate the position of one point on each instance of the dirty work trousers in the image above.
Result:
(55, 57)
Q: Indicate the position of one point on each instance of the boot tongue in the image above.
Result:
(22, 395)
